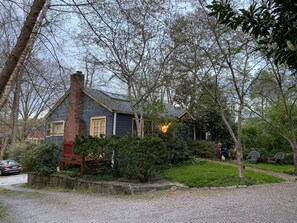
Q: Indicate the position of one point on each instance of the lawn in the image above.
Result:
(289, 169)
(208, 174)
(2, 210)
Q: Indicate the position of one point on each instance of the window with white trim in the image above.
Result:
(55, 128)
(98, 126)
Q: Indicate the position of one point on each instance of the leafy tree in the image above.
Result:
(279, 108)
(271, 22)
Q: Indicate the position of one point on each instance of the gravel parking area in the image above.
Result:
(264, 203)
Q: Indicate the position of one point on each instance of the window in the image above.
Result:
(191, 132)
(147, 128)
(57, 128)
(48, 129)
(98, 126)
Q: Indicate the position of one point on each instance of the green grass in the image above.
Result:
(215, 175)
(2, 210)
(289, 169)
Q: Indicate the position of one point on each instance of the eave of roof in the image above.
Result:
(57, 104)
(113, 106)
(186, 112)
(98, 101)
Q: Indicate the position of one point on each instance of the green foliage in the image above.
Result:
(151, 157)
(138, 158)
(90, 146)
(47, 157)
(177, 148)
(175, 144)
(43, 158)
(214, 175)
(272, 23)
(120, 149)
(289, 159)
(289, 169)
(202, 149)
(154, 108)
(277, 114)
(129, 156)
(257, 135)
(2, 210)
(23, 153)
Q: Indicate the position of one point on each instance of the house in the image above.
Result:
(36, 137)
(83, 111)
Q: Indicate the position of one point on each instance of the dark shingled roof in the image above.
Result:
(119, 103)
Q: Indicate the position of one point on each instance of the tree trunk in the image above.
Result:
(294, 148)
(3, 147)
(25, 53)
(239, 153)
(15, 112)
(236, 140)
(239, 158)
(21, 44)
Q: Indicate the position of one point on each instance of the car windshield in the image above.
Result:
(9, 162)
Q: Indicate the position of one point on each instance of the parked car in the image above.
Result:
(9, 167)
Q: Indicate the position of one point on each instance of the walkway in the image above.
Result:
(283, 176)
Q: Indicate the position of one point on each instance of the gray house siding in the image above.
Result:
(59, 114)
(92, 109)
(124, 124)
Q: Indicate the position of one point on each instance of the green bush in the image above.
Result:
(127, 156)
(95, 149)
(151, 157)
(202, 149)
(178, 149)
(90, 147)
(289, 159)
(37, 157)
(138, 158)
(47, 157)
(20, 152)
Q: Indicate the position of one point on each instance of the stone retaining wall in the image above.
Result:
(103, 187)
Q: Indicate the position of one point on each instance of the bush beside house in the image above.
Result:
(44, 158)
(203, 149)
(127, 156)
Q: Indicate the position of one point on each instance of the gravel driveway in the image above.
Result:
(265, 203)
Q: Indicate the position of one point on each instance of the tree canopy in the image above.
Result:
(271, 22)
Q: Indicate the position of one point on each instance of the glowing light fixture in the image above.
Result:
(164, 128)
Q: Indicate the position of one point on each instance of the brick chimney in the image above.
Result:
(74, 124)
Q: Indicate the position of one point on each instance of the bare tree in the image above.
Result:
(225, 59)
(129, 42)
(21, 43)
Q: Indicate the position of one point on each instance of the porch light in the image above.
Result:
(164, 128)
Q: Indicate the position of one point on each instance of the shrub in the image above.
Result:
(151, 157)
(47, 157)
(202, 149)
(90, 146)
(37, 157)
(20, 151)
(289, 159)
(138, 158)
(179, 150)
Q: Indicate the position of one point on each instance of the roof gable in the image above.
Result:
(57, 104)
